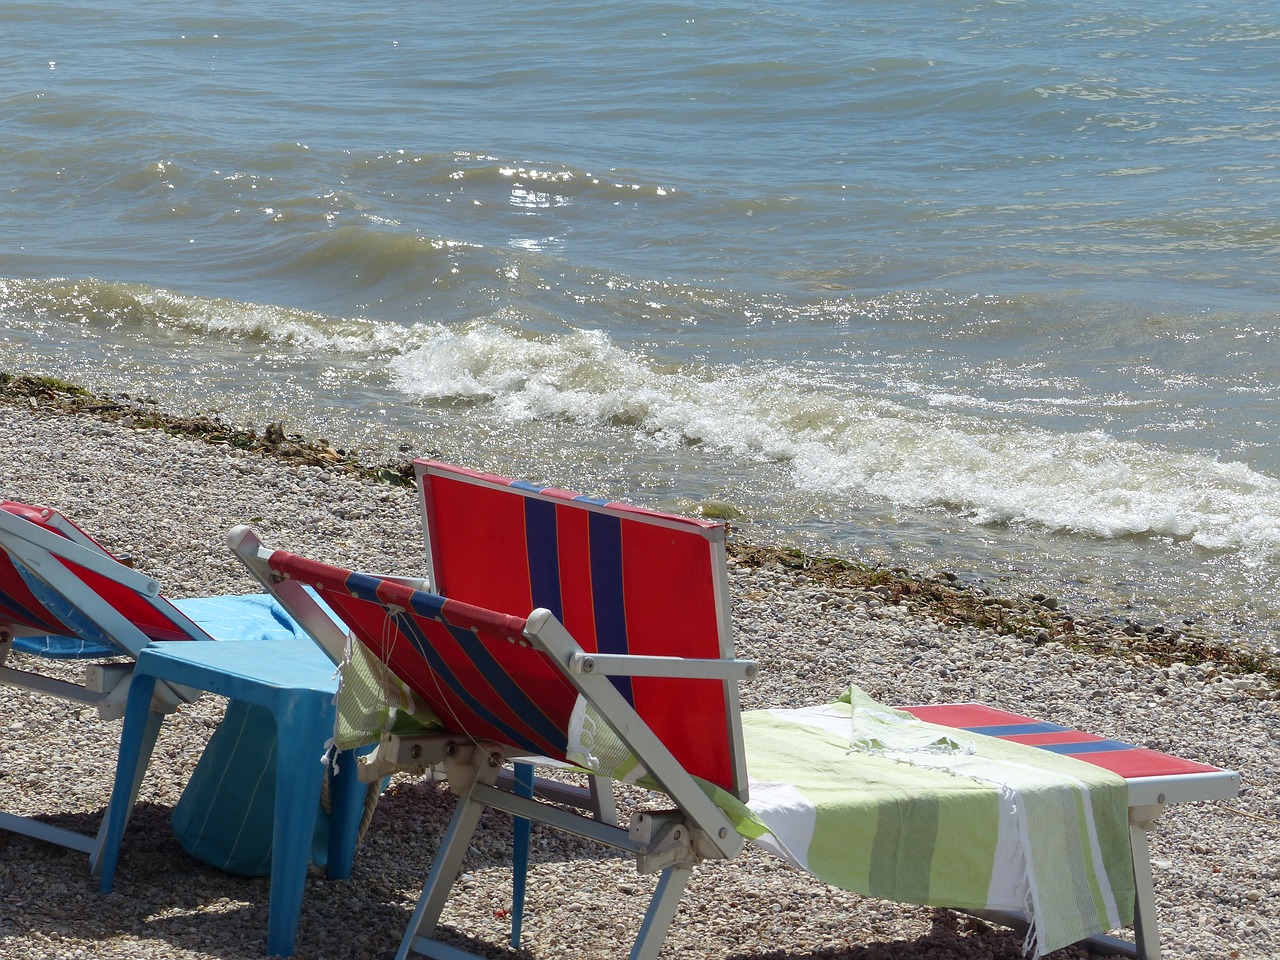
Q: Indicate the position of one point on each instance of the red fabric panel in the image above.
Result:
(668, 593)
(1137, 762)
(152, 622)
(672, 611)
(462, 694)
(19, 607)
(574, 553)
(1064, 736)
(1141, 762)
(964, 715)
(479, 553)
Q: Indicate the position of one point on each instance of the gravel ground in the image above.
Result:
(169, 502)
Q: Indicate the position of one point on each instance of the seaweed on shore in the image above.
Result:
(1036, 619)
(54, 396)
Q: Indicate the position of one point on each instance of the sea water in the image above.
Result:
(984, 285)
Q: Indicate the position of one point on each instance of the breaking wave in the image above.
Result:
(990, 471)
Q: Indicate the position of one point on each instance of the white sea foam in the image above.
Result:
(989, 470)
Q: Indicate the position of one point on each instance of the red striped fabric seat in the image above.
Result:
(28, 609)
(1125, 759)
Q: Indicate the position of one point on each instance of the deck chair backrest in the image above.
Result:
(621, 579)
(56, 579)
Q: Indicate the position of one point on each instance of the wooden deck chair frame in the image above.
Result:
(669, 843)
(66, 576)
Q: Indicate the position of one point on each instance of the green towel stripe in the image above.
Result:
(902, 852)
(969, 854)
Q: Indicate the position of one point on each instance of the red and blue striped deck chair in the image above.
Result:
(622, 580)
(64, 596)
(1154, 779)
(511, 686)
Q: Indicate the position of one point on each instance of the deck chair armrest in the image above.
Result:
(293, 596)
(629, 665)
(547, 634)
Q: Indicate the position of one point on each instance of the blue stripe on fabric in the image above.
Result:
(1090, 746)
(525, 485)
(364, 586)
(429, 605)
(1015, 729)
(607, 590)
(596, 500)
(410, 628)
(544, 555)
(67, 612)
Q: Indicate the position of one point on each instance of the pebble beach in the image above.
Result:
(169, 501)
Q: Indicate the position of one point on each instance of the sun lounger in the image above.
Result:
(63, 596)
(1153, 781)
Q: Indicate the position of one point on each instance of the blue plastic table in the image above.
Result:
(294, 681)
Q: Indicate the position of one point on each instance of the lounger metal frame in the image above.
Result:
(48, 556)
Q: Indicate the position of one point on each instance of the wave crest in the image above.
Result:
(855, 447)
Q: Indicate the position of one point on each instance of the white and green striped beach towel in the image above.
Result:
(875, 801)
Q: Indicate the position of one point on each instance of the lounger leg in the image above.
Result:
(521, 830)
(662, 910)
(1146, 933)
(137, 740)
(444, 870)
(602, 802)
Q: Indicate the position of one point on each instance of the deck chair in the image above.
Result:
(511, 546)
(510, 688)
(64, 596)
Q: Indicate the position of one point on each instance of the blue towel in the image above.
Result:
(252, 617)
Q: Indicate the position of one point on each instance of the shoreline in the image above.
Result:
(814, 630)
(1035, 618)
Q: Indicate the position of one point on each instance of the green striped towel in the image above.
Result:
(875, 801)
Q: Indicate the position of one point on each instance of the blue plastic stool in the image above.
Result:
(294, 681)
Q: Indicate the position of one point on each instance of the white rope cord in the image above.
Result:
(441, 691)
